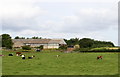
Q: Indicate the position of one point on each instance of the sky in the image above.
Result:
(96, 19)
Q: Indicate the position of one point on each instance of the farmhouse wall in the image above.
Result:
(47, 43)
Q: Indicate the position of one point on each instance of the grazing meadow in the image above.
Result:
(46, 63)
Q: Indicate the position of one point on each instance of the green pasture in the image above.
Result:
(102, 48)
(46, 63)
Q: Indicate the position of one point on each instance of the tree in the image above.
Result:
(22, 38)
(36, 37)
(63, 47)
(41, 47)
(17, 37)
(72, 41)
(7, 41)
(102, 44)
(86, 42)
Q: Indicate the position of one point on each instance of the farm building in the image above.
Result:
(72, 47)
(47, 43)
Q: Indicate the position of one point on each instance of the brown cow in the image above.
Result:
(18, 53)
(99, 57)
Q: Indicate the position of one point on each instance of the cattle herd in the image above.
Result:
(22, 55)
(31, 57)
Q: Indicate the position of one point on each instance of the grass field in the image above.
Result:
(66, 64)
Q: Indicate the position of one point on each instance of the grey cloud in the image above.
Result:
(83, 22)
(90, 22)
(22, 24)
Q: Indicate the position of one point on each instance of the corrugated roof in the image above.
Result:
(21, 42)
(43, 41)
(57, 41)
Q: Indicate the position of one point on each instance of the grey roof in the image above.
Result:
(57, 41)
(21, 42)
(43, 41)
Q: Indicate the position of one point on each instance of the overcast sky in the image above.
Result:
(96, 19)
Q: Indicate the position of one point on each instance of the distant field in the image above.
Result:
(101, 48)
(66, 64)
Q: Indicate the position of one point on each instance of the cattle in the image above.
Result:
(2, 55)
(38, 50)
(31, 57)
(10, 54)
(57, 55)
(23, 56)
(18, 53)
(99, 57)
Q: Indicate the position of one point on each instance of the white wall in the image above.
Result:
(51, 46)
(45, 46)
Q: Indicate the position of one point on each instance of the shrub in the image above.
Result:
(26, 47)
(40, 47)
(64, 47)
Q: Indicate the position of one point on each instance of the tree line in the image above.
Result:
(84, 42)
(88, 43)
(17, 37)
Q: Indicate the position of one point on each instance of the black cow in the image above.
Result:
(30, 57)
(23, 57)
(10, 55)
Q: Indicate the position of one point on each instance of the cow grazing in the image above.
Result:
(18, 53)
(23, 56)
(31, 57)
(57, 55)
(2, 55)
(10, 54)
(99, 57)
(38, 50)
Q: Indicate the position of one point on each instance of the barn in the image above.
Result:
(47, 43)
